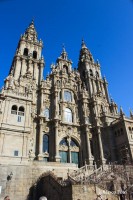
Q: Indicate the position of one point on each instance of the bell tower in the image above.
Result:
(28, 57)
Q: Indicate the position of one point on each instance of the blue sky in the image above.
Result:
(105, 25)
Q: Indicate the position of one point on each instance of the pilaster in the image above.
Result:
(40, 155)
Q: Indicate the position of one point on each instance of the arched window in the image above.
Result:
(97, 74)
(64, 142)
(69, 151)
(67, 96)
(25, 52)
(21, 111)
(130, 129)
(65, 69)
(91, 73)
(14, 110)
(45, 143)
(46, 113)
(73, 143)
(34, 54)
(67, 115)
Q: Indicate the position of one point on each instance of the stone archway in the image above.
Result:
(48, 185)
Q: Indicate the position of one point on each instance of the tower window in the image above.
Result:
(68, 115)
(14, 110)
(97, 74)
(34, 54)
(21, 111)
(91, 73)
(25, 52)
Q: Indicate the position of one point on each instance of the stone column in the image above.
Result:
(23, 68)
(56, 104)
(97, 86)
(40, 156)
(30, 67)
(70, 157)
(69, 151)
(41, 106)
(57, 156)
(102, 88)
(35, 71)
(103, 160)
(41, 72)
(106, 89)
(90, 87)
(74, 116)
(90, 158)
(93, 86)
(17, 68)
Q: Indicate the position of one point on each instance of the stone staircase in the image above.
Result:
(90, 175)
(82, 172)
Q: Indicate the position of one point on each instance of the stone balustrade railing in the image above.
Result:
(87, 169)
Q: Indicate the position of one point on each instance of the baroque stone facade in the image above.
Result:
(66, 118)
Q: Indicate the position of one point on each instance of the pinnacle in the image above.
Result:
(63, 48)
(64, 53)
(31, 31)
(32, 24)
(83, 45)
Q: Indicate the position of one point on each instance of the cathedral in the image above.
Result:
(61, 123)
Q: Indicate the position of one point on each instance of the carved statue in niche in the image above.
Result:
(31, 149)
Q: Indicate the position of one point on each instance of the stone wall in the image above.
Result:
(24, 176)
(89, 192)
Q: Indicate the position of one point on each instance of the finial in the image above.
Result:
(98, 62)
(83, 44)
(131, 114)
(64, 53)
(111, 99)
(63, 48)
(32, 22)
(121, 111)
(104, 78)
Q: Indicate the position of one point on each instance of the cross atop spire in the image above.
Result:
(85, 54)
(83, 45)
(64, 53)
(30, 32)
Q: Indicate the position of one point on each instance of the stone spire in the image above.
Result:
(121, 111)
(28, 57)
(131, 114)
(63, 62)
(64, 53)
(30, 33)
(85, 54)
